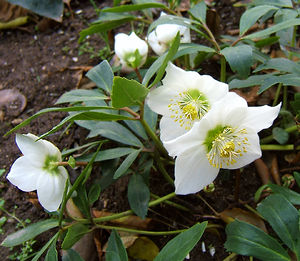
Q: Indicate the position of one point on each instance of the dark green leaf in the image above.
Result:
(279, 64)
(103, 27)
(50, 8)
(289, 194)
(274, 29)
(239, 58)
(130, 8)
(29, 232)
(286, 79)
(251, 15)
(52, 253)
(102, 75)
(138, 195)
(199, 11)
(74, 233)
(179, 247)
(94, 193)
(250, 81)
(127, 93)
(105, 17)
(43, 249)
(81, 199)
(71, 255)
(296, 103)
(81, 95)
(280, 135)
(150, 117)
(246, 239)
(126, 164)
(281, 3)
(115, 250)
(282, 216)
(297, 177)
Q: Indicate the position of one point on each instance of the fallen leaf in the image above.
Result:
(262, 171)
(72, 210)
(275, 171)
(143, 248)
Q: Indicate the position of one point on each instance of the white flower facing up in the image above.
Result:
(37, 170)
(162, 36)
(226, 137)
(183, 99)
(131, 50)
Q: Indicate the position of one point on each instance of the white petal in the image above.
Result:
(159, 99)
(261, 117)
(52, 149)
(120, 44)
(50, 189)
(166, 32)
(158, 47)
(193, 172)
(213, 89)
(193, 139)
(24, 175)
(253, 151)
(169, 129)
(140, 44)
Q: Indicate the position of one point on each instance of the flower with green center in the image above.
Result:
(131, 50)
(226, 137)
(183, 99)
(38, 170)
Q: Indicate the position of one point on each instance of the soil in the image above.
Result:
(42, 65)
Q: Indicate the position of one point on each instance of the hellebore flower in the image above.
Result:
(184, 98)
(162, 36)
(226, 137)
(37, 170)
(131, 50)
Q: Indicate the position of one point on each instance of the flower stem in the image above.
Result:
(284, 99)
(223, 69)
(271, 137)
(173, 204)
(279, 147)
(138, 74)
(209, 206)
(162, 169)
(277, 94)
(64, 203)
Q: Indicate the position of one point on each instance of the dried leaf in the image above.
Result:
(143, 249)
(275, 171)
(9, 12)
(73, 210)
(262, 171)
(243, 215)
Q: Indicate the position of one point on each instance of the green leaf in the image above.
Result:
(281, 3)
(109, 154)
(81, 95)
(81, 199)
(283, 217)
(297, 177)
(94, 193)
(72, 162)
(127, 93)
(199, 11)
(279, 64)
(43, 249)
(52, 253)
(150, 117)
(296, 103)
(126, 163)
(289, 194)
(169, 56)
(280, 135)
(138, 195)
(130, 8)
(103, 27)
(29, 232)
(50, 8)
(179, 247)
(115, 250)
(286, 79)
(102, 75)
(274, 29)
(105, 17)
(239, 58)
(74, 233)
(71, 255)
(248, 240)
(250, 81)
(251, 15)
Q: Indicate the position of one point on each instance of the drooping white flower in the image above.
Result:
(131, 50)
(37, 170)
(162, 36)
(183, 99)
(226, 137)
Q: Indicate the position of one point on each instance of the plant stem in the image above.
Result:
(277, 94)
(162, 169)
(78, 163)
(271, 137)
(279, 147)
(63, 205)
(138, 74)
(213, 39)
(175, 205)
(209, 206)
(223, 69)
(284, 99)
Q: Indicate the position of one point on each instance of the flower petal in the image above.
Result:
(261, 117)
(158, 47)
(169, 129)
(193, 172)
(50, 189)
(23, 174)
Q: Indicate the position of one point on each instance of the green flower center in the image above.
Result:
(133, 60)
(189, 106)
(224, 145)
(50, 164)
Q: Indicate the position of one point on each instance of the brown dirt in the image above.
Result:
(39, 64)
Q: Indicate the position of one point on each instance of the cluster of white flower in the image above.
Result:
(132, 51)
(206, 127)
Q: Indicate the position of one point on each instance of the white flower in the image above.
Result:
(184, 98)
(131, 50)
(162, 36)
(226, 137)
(37, 170)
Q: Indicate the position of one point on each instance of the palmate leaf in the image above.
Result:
(248, 240)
